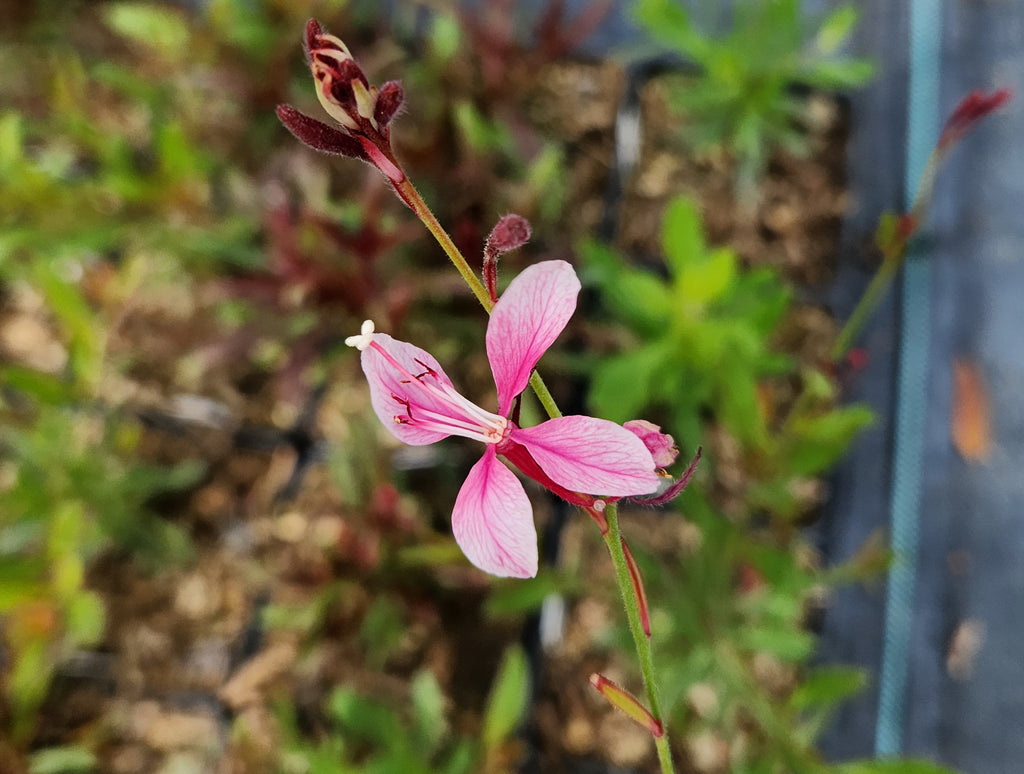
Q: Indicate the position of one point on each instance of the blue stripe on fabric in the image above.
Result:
(912, 386)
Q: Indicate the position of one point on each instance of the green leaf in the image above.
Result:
(828, 685)
(154, 26)
(668, 22)
(11, 145)
(522, 596)
(507, 701)
(682, 236)
(86, 618)
(382, 630)
(480, 133)
(818, 441)
(428, 704)
(461, 759)
(904, 766)
(838, 75)
(836, 29)
(46, 388)
(27, 683)
(78, 320)
(445, 36)
(62, 760)
(621, 385)
(640, 298)
(787, 644)
(365, 718)
(707, 279)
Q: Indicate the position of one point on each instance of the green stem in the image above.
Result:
(612, 538)
(893, 254)
(412, 197)
(873, 295)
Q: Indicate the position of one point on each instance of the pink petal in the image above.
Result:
(386, 382)
(493, 521)
(590, 455)
(525, 322)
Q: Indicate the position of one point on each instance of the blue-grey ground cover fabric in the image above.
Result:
(971, 557)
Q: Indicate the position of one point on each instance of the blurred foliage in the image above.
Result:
(742, 97)
(106, 172)
(700, 357)
(702, 354)
(140, 159)
(367, 736)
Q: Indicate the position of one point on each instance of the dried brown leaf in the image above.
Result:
(971, 423)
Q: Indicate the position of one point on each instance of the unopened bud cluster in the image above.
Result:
(363, 111)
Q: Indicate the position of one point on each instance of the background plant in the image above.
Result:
(741, 95)
(166, 239)
(700, 356)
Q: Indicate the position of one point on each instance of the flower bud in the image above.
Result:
(509, 233)
(661, 445)
(345, 93)
(971, 109)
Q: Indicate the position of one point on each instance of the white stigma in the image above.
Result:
(365, 337)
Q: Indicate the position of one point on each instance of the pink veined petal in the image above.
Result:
(385, 383)
(527, 319)
(590, 455)
(493, 521)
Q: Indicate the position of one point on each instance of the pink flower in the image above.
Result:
(492, 519)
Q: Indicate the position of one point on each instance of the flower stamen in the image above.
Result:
(462, 417)
(365, 337)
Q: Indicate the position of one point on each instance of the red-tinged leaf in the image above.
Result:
(971, 424)
(628, 703)
(638, 589)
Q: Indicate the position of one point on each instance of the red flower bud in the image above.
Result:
(661, 445)
(509, 233)
(972, 108)
(347, 96)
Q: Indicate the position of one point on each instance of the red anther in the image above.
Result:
(427, 370)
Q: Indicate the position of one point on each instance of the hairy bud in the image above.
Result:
(345, 93)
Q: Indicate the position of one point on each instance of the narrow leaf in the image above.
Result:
(628, 703)
(507, 700)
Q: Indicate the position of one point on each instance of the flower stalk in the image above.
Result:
(617, 551)
(410, 389)
(895, 232)
(630, 589)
